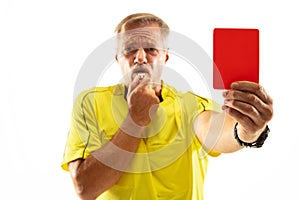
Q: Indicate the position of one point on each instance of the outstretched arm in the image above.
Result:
(247, 104)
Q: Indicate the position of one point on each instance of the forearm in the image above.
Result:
(215, 131)
(225, 143)
(104, 167)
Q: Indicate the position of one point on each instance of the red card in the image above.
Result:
(235, 55)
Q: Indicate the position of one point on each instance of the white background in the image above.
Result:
(43, 45)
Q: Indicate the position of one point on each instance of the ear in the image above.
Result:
(116, 57)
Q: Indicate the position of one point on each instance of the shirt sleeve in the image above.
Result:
(83, 137)
(197, 104)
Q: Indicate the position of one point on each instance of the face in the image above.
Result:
(142, 52)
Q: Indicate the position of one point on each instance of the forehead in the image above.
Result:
(137, 33)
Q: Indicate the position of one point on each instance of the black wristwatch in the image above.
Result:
(258, 143)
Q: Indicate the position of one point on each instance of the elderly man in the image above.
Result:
(143, 139)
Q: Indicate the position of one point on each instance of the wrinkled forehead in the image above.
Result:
(141, 37)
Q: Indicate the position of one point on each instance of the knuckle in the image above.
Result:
(260, 88)
(250, 109)
(267, 115)
(257, 101)
(252, 98)
(234, 94)
(234, 103)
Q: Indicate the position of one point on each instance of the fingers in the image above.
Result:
(249, 104)
(244, 120)
(254, 88)
(245, 114)
(142, 101)
(136, 84)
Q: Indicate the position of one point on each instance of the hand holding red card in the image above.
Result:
(235, 55)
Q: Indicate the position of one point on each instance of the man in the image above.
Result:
(144, 139)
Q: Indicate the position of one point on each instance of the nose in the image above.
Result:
(140, 56)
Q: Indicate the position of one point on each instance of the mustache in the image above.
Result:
(141, 68)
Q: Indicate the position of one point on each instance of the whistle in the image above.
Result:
(141, 75)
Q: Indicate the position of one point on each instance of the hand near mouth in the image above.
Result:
(142, 100)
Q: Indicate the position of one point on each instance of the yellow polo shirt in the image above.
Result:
(170, 162)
